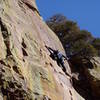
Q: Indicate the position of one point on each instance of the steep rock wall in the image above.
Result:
(26, 70)
(93, 76)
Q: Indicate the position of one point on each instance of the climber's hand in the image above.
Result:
(46, 46)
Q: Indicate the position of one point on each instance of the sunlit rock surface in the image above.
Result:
(26, 70)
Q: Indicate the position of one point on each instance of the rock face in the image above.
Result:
(88, 82)
(26, 70)
(93, 76)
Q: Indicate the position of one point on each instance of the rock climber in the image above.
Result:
(58, 56)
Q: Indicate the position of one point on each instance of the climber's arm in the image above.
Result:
(50, 49)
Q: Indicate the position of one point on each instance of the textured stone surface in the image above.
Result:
(26, 70)
(94, 77)
(88, 84)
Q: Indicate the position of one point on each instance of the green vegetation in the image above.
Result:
(74, 40)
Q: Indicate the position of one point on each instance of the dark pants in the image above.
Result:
(61, 64)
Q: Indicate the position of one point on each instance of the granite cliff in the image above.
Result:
(26, 70)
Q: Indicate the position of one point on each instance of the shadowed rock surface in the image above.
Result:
(93, 76)
(88, 83)
(26, 70)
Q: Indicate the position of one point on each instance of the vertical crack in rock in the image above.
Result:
(24, 52)
(23, 48)
(6, 38)
(23, 44)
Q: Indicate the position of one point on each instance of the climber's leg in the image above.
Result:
(63, 67)
(58, 62)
